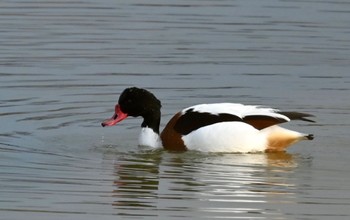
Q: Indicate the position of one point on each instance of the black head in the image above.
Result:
(138, 102)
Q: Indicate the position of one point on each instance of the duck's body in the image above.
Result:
(219, 127)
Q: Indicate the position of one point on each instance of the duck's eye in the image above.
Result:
(125, 101)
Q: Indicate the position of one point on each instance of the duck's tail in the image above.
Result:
(278, 138)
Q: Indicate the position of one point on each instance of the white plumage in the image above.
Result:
(237, 109)
(226, 137)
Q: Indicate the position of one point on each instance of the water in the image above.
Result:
(63, 64)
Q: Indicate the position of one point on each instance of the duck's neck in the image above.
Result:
(149, 138)
(149, 135)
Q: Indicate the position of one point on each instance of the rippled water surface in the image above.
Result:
(63, 64)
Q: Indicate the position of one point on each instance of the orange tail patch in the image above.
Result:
(278, 139)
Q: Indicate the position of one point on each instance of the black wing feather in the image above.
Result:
(192, 120)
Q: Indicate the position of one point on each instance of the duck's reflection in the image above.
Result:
(137, 181)
(150, 183)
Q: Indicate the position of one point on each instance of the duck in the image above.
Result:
(215, 127)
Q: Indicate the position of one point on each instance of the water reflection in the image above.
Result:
(137, 181)
(147, 183)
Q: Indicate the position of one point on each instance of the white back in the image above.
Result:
(237, 109)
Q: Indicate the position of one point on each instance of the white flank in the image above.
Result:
(236, 137)
(148, 138)
(237, 109)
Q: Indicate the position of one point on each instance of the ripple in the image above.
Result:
(63, 64)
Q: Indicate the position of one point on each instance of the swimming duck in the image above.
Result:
(218, 127)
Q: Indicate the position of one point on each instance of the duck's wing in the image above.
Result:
(198, 116)
(297, 116)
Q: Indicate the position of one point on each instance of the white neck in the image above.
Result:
(149, 138)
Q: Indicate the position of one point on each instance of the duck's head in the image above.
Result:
(135, 102)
